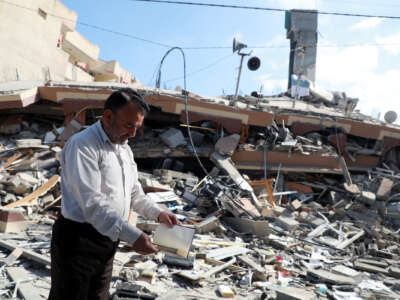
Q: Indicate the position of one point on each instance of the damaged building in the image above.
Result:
(290, 196)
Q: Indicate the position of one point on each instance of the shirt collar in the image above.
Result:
(104, 137)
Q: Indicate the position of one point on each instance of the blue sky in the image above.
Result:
(356, 55)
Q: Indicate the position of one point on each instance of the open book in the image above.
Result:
(174, 241)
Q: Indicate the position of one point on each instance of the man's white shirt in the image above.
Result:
(99, 183)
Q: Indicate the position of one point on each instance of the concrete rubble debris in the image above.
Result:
(291, 207)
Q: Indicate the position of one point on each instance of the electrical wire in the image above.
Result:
(185, 93)
(128, 35)
(265, 8)
(203, 68)
(93, 26)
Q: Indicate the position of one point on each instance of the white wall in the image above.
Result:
(28, 42)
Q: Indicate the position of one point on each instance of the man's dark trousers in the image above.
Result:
(81, 262)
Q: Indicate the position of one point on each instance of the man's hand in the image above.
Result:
(168, 219)
(143, 245)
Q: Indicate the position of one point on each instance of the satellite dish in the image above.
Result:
(390, 116)
(253, 63)
(237, 46)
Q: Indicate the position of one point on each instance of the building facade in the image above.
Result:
(39, 42)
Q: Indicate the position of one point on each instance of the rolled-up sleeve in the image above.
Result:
(82, 169)
(143, 204)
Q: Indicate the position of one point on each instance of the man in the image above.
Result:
(99, 188)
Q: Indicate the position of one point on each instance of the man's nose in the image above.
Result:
(132, 132)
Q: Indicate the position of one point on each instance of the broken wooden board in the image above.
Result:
(13, 256)
(29, 254)
(31, 199)
(11, 159)
(218, 269)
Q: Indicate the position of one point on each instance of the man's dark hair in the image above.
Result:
(118, 99)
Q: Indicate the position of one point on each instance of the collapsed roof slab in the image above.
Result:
(19, 99)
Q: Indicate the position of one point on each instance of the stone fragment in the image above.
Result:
(352, 188)
(384, 189)
(225, 291)
(27, 143)
(207, 225)
(173, 138)
(295, 204)
(287, 223)
(367, 197)
(227, 145)
(394, 271)
(9, 198)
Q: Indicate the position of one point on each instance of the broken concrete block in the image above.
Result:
(329, 277)
(292, 293)
(27, 178)
(73, 127)
(394, 271)
(295, 204)
(225, 291)
(12, 220)
(173, 138)
(227, 145)
(343, 270)
(367, 197)
(287, 223)
(370, 268)
(21, 189)
(222, 253)
(207, 225)
(352, 188)
(9, 198)
(28, 143)
(384, 189)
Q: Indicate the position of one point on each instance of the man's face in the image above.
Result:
(123, 124)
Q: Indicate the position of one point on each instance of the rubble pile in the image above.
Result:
(265, 230)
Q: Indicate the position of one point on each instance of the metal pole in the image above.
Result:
(240, 71)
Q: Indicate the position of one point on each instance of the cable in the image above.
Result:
(185, 48)
(203, 68)
(94, 26)
(185, 93)
(266, 8)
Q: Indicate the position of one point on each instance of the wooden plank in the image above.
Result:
(26, 289)
(31, 199)
(11, 160)
(232, 267)
(29, 254)
(218, 269)
(13, 256)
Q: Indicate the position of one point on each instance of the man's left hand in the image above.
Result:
(168, 219)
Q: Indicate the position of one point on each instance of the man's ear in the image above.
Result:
(108, 117)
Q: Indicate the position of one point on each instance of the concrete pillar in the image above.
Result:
(302, 30)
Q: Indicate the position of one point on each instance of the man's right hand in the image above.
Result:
(143, 245)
